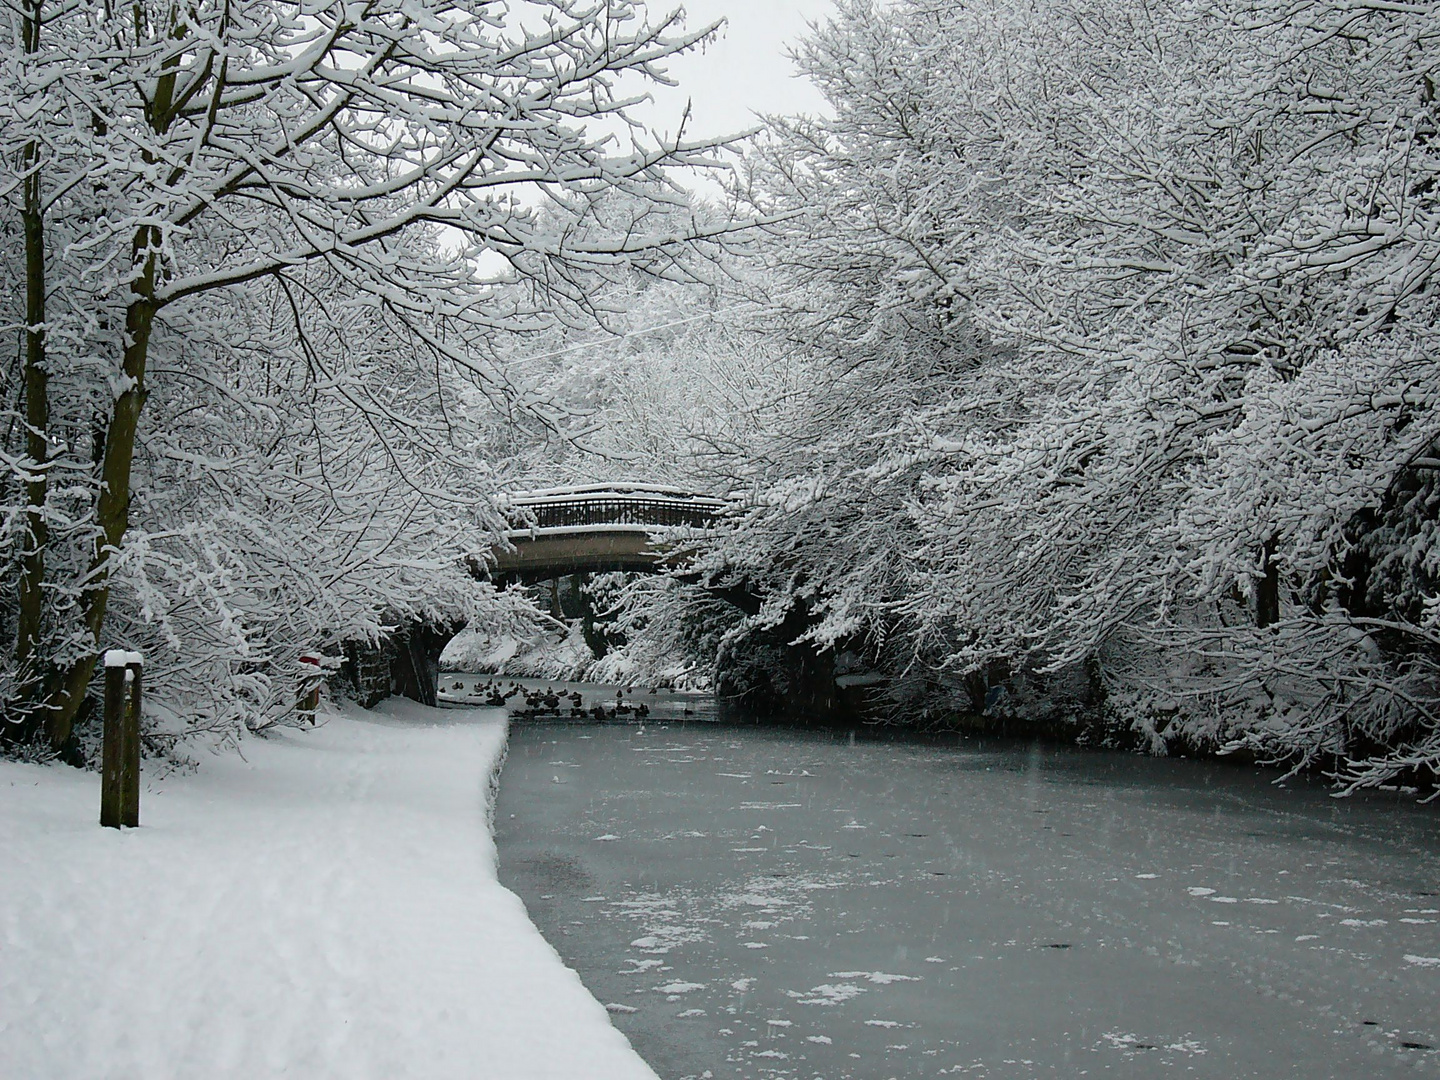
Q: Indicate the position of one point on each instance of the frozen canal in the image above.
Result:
(763, 903)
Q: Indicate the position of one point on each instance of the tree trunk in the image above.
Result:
(112, 509)
(593, 633)
(415, 665)
(1267, 589)
(31, 599)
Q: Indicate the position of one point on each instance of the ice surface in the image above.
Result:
(1003, 911)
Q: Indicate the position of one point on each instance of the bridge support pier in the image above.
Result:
(415, 662)
(406, 662)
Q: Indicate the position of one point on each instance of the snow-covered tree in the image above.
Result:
(1172, 269)
(260, 211)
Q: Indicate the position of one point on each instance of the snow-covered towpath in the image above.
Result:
(325, 907)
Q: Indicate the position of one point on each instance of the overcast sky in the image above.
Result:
(746, 70)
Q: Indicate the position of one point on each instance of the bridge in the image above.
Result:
(596, 528)
(599, 528)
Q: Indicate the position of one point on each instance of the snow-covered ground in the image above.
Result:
(325, 906)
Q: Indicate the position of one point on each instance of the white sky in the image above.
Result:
(745, 71)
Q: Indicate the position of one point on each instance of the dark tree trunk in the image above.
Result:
(1267, 589)
(31, 598)
(591, 628)
(112, 508)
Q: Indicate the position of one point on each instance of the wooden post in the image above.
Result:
(120, 757)
(311, 675)
(130, 766)
(112, 751)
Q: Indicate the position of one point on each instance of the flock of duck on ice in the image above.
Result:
(561, 703)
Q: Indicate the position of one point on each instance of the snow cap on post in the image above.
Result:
(123, 658)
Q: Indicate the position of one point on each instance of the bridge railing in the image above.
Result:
(571, 511)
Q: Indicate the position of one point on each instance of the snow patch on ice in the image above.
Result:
(678, 987)
(1186, 1046)
(828, 994)
(1129, 1041)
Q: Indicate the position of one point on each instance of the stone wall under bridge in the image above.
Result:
(405, 662)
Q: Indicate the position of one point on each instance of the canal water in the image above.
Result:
(759, 902)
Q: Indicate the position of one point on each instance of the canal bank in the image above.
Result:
(323, 906)
(764, 903)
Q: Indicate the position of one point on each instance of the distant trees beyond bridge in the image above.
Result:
(596, 528)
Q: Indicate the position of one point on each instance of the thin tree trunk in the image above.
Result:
(29, 624)
(1267, 589)
(112, 508)
(37, 423)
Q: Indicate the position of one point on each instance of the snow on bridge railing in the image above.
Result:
(611, 504)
